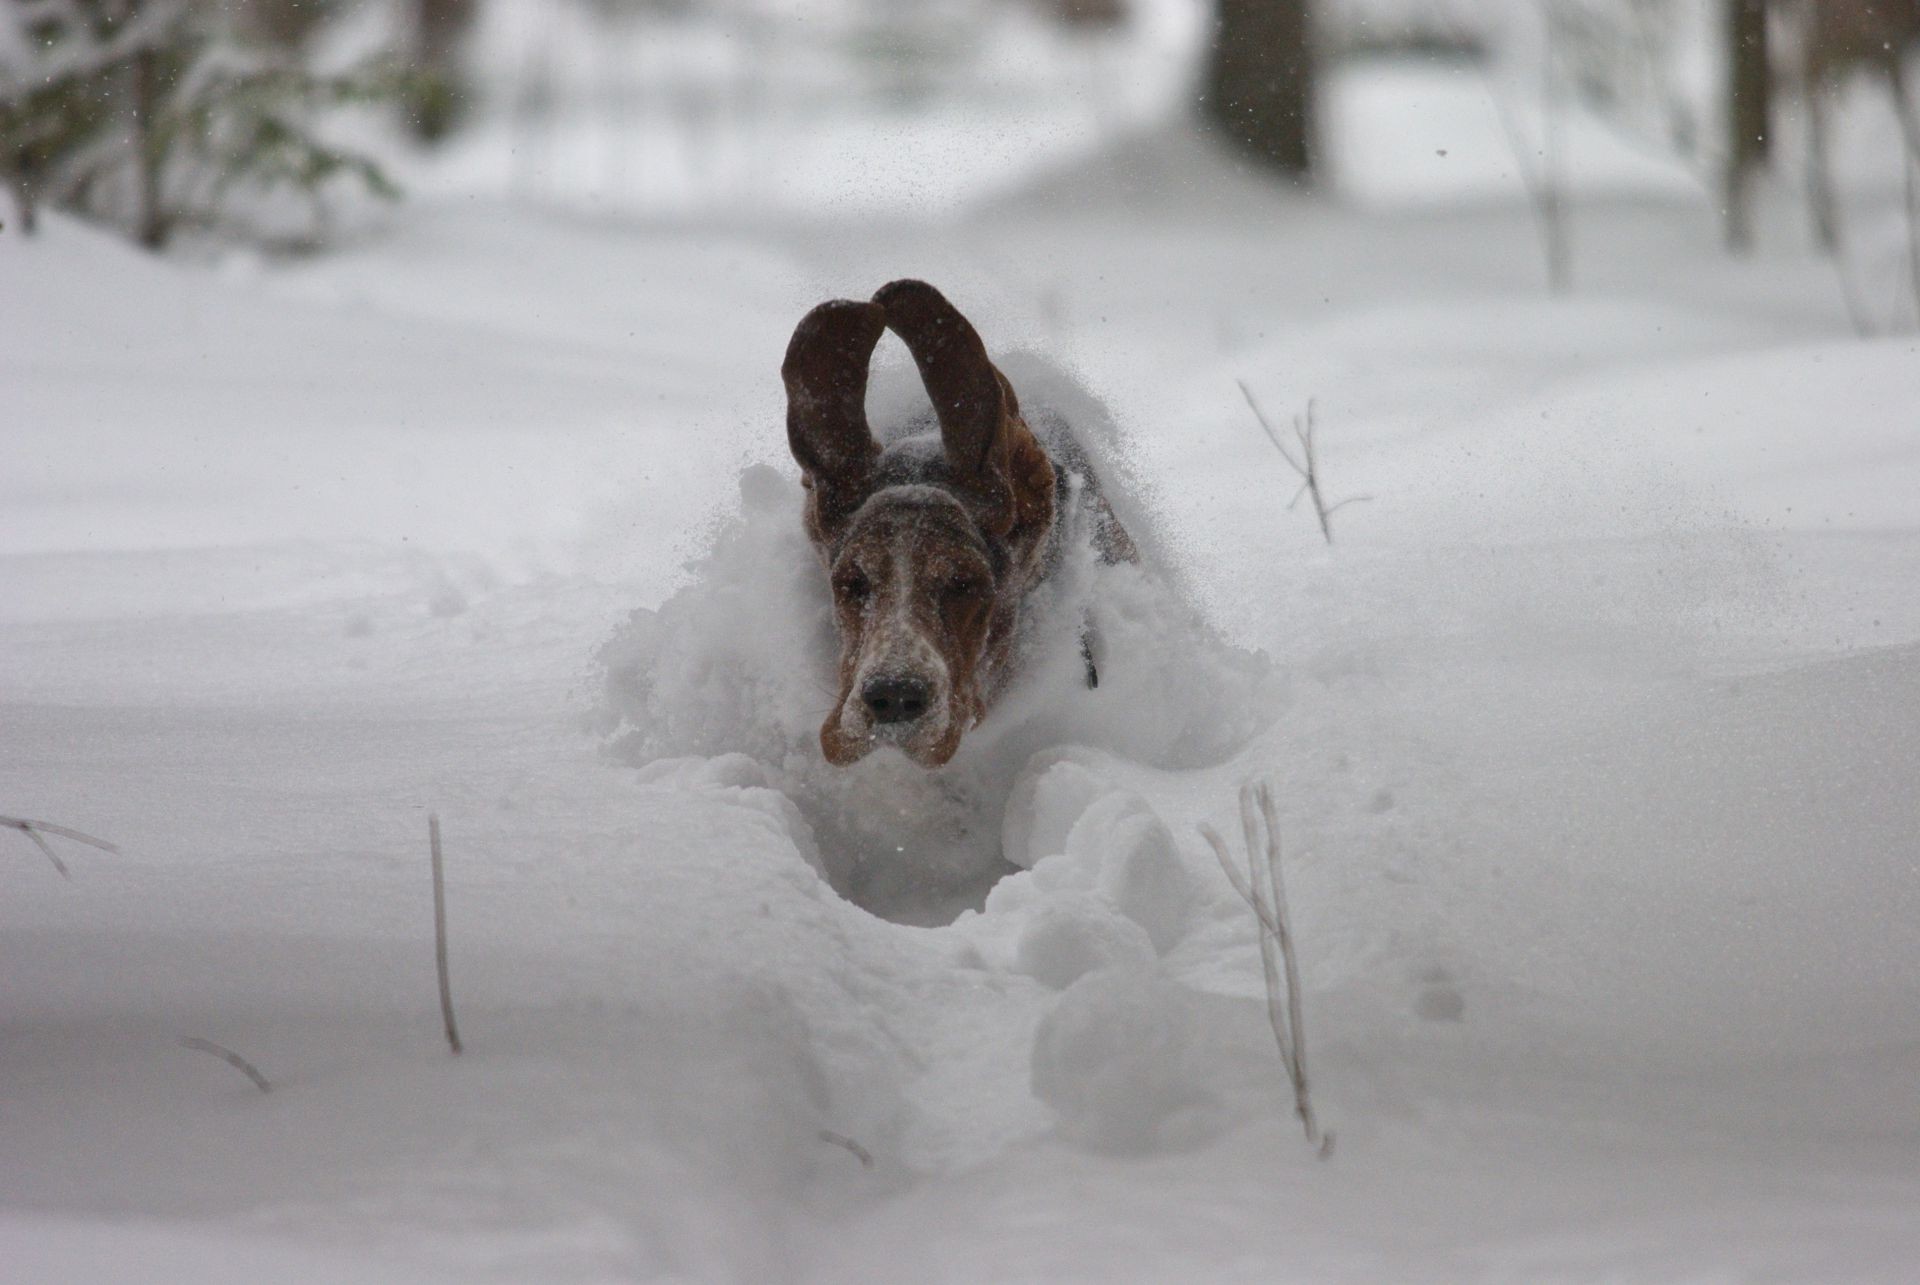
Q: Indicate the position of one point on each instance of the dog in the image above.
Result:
(932, 540)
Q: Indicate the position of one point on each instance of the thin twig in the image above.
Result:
(1296, 1019)
(1839, 237)
(1541, 179)
(232, 1059)
(860, 1153)
(1272, 436)
(1307, 466)
(1279, 964)
(1234, 877)
(1270, 960)
(36, 830)
(440, 932)
(1910, 163)
(1303, 428)
(47, 848)
(48, 827)
(1553, 202)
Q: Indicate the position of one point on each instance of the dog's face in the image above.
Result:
(928, 550)
(914, 597)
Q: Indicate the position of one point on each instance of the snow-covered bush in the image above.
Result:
(147, 115)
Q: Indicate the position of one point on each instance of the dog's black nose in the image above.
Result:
(895, 700)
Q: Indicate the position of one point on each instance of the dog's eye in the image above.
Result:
(855, 587)
(961, 587)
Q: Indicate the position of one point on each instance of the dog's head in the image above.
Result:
(929, 545)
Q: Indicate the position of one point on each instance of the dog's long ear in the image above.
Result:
(825, 372)
(976, 409)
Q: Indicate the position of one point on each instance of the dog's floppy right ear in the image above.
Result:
(969, 396)
(991, 452)
(825, 372)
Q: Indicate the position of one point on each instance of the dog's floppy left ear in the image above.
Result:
(972, 400)
(825, 372)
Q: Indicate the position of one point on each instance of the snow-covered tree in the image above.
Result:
(149, 116)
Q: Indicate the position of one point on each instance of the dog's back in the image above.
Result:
(1077, 431)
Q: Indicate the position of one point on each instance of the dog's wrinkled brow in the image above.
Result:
(927, 508)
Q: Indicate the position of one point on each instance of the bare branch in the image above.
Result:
(48, 827)
(1269, 915)
(232, 1059)
(1279, 964)
(1307, 465)
(1267, 426)
(860, 1153)
(1296, 1022)
(37, 830)
(440, 932)
(47, 848)
(1538, 167)
(1234, 877)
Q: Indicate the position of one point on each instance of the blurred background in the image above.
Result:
(277, 120)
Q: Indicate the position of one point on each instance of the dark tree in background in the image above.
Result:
(284, 24)
(1749, 113)
(440, 29)
(1260, 81)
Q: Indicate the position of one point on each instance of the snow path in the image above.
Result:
(1595, 766)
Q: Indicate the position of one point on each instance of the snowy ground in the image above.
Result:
(1594, 739)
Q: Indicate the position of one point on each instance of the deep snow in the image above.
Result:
(1594, 738)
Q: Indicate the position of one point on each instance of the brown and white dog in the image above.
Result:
(933, 540)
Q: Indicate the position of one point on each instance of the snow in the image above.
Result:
(1593, 736)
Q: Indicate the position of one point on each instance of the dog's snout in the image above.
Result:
(897, 699)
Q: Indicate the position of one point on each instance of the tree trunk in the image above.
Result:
(26, 207)
(440, 29)
(151, 222)
(1749, 115)
(1260, 81)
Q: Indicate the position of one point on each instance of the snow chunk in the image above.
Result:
(1072, 934)
(739, 779)
(1139, 866)
(1105, 838)
(1112, 1059)
(1048, 797)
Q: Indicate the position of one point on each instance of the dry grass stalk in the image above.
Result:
(232, 1059)
(37, 830)
(1306, 465)
(440, 932)
(842, 1141)
(1265, 893)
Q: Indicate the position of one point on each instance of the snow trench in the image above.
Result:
(725, 684)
